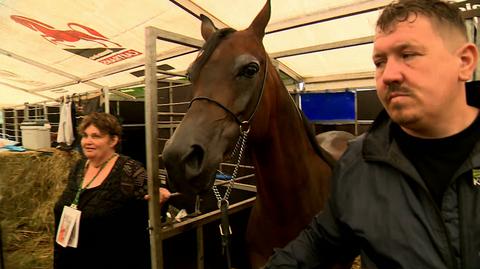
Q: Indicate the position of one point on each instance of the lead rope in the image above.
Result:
(225, 229)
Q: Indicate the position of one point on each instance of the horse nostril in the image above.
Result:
(194, 160)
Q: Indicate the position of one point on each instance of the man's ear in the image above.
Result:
(468, 55)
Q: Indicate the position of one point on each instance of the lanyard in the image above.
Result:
(80, 190)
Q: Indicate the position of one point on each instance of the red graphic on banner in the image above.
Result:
(60, 36)
(120, 57)
(109, 52)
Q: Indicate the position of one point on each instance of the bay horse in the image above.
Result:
(237, 90)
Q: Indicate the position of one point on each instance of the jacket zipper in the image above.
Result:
(453, 260)
(438, 211)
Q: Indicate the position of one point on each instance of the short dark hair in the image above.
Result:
(438, 11)
(106, 123)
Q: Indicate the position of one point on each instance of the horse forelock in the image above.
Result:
(207, 51)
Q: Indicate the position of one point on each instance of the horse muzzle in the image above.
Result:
(187, 169)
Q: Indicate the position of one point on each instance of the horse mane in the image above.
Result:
(311, 134)
(207, 51)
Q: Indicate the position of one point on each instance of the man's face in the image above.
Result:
(417, 74)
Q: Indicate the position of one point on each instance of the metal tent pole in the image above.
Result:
(151, 134)
(4, 124)
(106, 98)
(355, 94)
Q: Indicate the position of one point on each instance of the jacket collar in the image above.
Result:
(379, 145)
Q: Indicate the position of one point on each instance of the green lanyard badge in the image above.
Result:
(80, 190)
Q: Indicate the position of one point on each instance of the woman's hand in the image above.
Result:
(164, 195)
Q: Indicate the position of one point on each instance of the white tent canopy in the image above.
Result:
(60, 47)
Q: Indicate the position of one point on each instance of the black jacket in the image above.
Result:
(380, 208)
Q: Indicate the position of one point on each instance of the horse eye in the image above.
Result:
(250, 70)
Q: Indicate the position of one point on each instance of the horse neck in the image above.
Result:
(285, 161)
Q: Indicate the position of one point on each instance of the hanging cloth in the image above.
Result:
(65, 125)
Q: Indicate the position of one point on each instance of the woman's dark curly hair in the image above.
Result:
(106, 123)
(440, 13)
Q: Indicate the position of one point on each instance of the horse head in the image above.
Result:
(228, 80)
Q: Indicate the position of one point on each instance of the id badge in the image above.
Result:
(69, 227)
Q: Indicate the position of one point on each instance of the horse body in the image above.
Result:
(292, 179)
(234, 81)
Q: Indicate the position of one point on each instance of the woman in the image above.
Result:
(110, 191)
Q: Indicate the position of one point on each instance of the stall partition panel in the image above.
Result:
(173, 100)
(53, 116)
(34, 112)
(12, 119)
(351, 111)
(330, 111)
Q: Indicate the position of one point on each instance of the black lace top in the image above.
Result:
(114, 220)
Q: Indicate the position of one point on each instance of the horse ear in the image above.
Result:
(260, 22)
(207, 27)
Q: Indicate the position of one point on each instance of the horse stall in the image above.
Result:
(350, 110)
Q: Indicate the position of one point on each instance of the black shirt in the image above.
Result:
(437, 160)
(114, 220)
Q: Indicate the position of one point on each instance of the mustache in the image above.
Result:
(397, 88)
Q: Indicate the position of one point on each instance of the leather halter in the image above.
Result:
(244, 125)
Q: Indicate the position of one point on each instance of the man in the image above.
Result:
(407, 194)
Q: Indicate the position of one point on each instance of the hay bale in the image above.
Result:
(30, 183)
